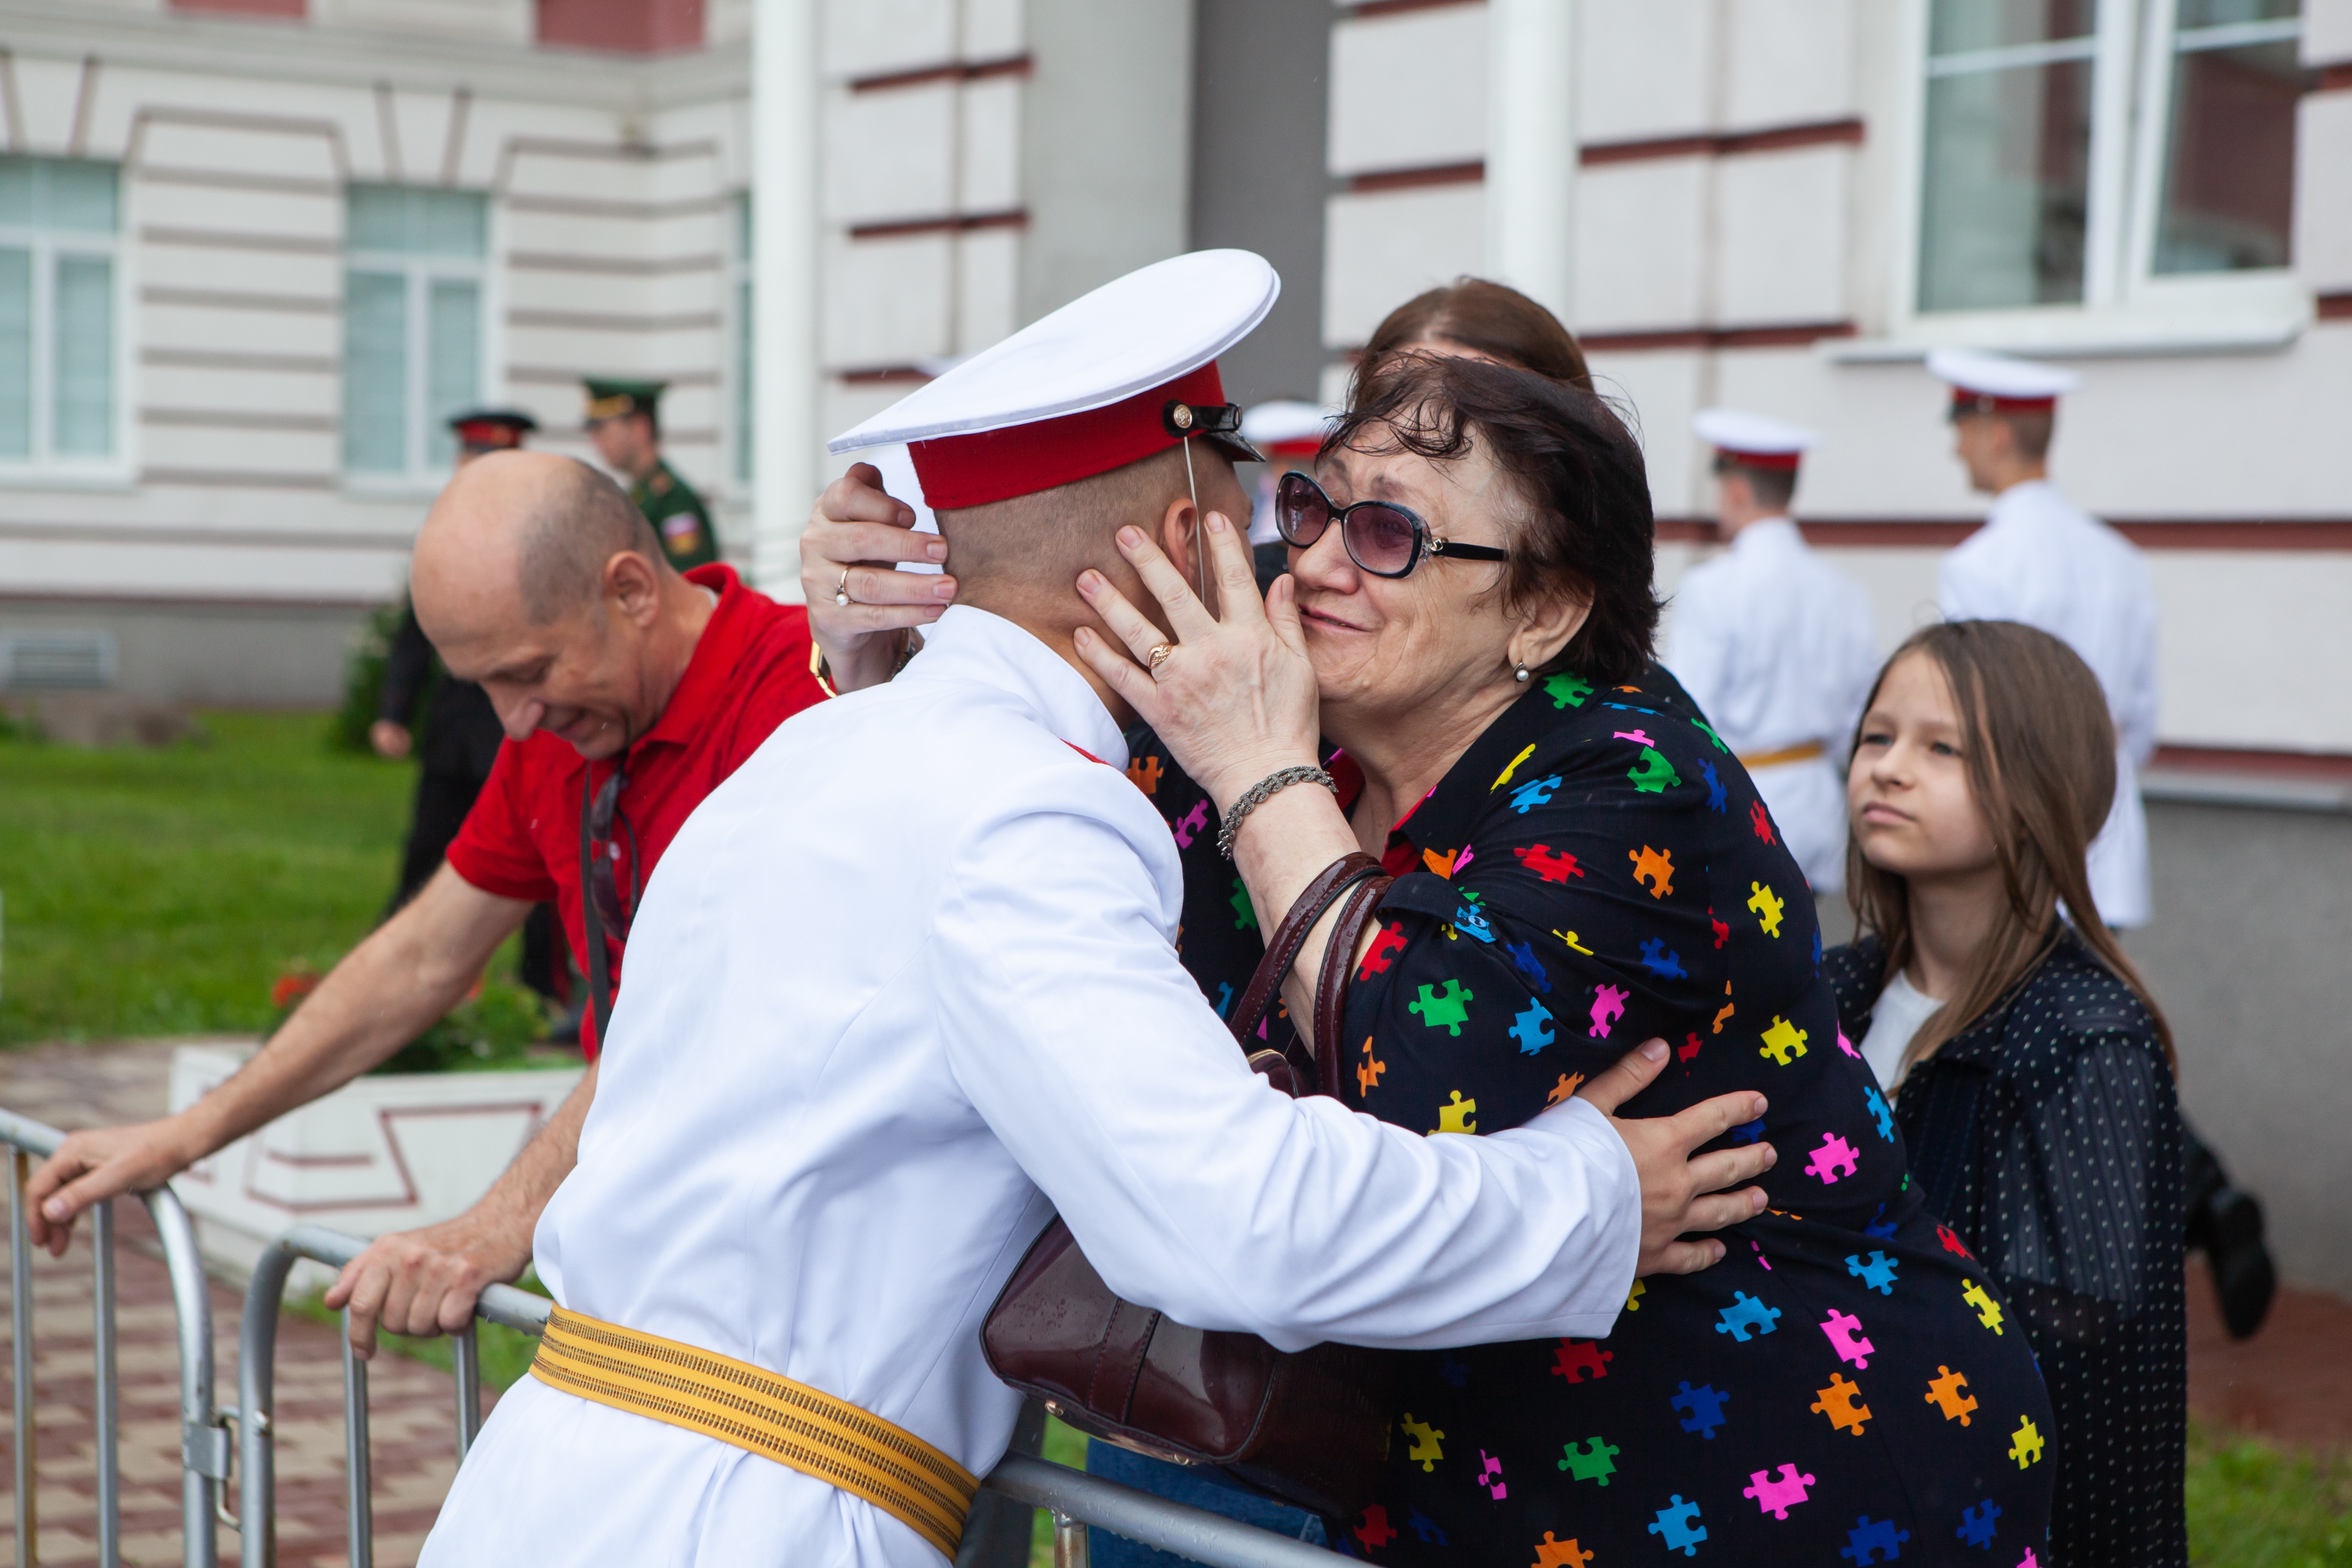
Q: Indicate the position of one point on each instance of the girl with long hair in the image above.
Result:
(2031, 1069)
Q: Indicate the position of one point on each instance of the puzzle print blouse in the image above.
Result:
(2048, 1136)
(1845, 1386)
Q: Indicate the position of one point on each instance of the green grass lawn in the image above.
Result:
(161, 892)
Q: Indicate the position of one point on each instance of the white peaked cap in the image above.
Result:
(1283, 422)
(1131, 335)
(2000, 377)
(1744, 435)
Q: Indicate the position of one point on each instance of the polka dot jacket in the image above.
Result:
(2048, 1137)
(1847, 1384)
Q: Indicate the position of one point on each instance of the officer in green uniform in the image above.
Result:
(624, 421)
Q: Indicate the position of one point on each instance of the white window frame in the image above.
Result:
(44, 467)
(2126, 308)
(420, 271)
(740, 382)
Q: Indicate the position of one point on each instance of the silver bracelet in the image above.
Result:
(1266, 789)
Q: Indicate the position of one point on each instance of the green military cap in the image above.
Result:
(611, 399)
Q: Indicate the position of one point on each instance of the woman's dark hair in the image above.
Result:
(1586, 529)
(1486, 318)
(2040, 753)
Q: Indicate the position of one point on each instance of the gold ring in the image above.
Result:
(1158, 656)
(841, 589)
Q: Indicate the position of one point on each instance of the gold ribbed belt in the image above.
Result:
(1803, 752)
(761, 1413)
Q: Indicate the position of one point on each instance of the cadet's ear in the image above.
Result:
(1177, 525)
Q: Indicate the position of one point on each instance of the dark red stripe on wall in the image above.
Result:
(2335, 307)
(954, 70)
(2317, 534)
(1017, 218)
(1845, 132)
(2323, 767)
(1793, 334)
(1398, 7)
(2336, 77)
(1407, 179)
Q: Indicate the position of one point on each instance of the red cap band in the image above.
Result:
(1966, 402)
(998, 465)
(1306, 448)
(488, 433)
(1762, 459)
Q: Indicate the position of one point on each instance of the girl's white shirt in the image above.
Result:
(1902, 1008)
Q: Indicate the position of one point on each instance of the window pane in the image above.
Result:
(452, 223)
(1957, 27)
(83, 420)
(2229, 163)
(376, 217)
(375, 372)
(2007, 187)
(454, 365)
(2223, 13)
(16, 354)
(79, 196)
(16, 191)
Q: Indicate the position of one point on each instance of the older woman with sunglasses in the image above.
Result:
(1580, 863)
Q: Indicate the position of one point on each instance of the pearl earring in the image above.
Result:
(1520, 674)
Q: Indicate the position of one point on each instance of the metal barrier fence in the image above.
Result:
(1075, 1500)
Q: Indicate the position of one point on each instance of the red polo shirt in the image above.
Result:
(752, 668)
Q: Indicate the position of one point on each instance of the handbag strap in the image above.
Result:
(600, 985)
(1339, 964)
(1282, 950)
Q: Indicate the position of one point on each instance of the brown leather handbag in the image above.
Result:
(1311, 1428)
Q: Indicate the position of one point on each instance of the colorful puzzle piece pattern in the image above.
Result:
(1878, 1274)
(1564, 1088)
(1369, 1070)
(1470, 922)
(1551, 1552)
(1447, 1010)
(1876, 1104)
(1576, 1359)
(1783, 1042)
(1702, 727)
(1659, 962)
(1766, 906)
(1505, 776)
(1835, 1158)
(1568, 937)
(1977, 1524)
(1777, 1497)
(1526, 797)
(1490, 1475)
(1608, 1006)
(1844, 1331)
(1523, 959)
(1592, 1463)
(2025, 1443)
(1425, 1527)
(1567, 691)
(1532, 1028)
(1988, 1310)
(1747, 1314)
(1715, 790)
(1674, 1527)
(1760, 820)
(1426, 1449)
(1551, 865)
(1840, 1404)
(1654, 868)
(1374, 1531)
(1702, 1408)
(1654, 775)
(1870, 1537)
(1460, 1116)
(1189, 825)
(1385, 947)
(1633, 1297)
(1144, 773)
(1245, 910)
(1952, 1243)
(1944, 1393)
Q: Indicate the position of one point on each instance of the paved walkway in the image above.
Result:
(2292, 1381)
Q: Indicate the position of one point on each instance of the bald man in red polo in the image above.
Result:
(628, 693)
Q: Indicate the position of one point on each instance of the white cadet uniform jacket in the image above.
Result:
(1779, 648)
(2042, 559)
(901, 987)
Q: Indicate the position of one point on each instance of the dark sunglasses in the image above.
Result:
(603, 885)
(1380, 537)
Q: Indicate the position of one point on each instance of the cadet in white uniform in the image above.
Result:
(1778, 647)
(905, 987)
(2042, 559)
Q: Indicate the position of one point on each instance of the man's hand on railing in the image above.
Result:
(426, 1282)
(103, 1162)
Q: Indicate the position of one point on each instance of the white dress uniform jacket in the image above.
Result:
(901, 987)
(2041, 560)
(1779, 648)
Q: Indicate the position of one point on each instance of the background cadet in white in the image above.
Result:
(1777, 645)
(2042, 559)
(907, 987)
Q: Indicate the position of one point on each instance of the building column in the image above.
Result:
(786, 287)
(1531, 149)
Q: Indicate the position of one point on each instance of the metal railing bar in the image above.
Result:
(361, 1517)
(467, 1357)
(20, 1348)
(105, 1392)
(1191, 1532)
(204, 1450)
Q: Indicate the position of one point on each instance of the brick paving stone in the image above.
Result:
(412, 1406)
(2290, 1382)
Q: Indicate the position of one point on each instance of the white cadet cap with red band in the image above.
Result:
(1284, 428)
(1127, 371)
(1996, 384)
(1752, 440)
